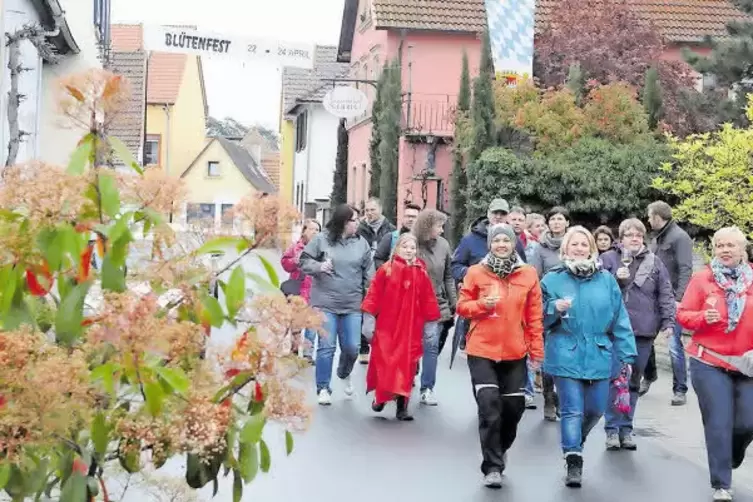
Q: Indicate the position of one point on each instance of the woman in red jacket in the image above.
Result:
(718, 308)
(402, 300)
(289, 261)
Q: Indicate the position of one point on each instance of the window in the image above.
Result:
(151, 150)
(213, 169)
(200, 212)
(226, 215)
(300, 131)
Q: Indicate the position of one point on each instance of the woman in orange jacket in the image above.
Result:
(502, 298)
(718, 308)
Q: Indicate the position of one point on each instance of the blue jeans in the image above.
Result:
(726, 402)
(431, 354)
(528, 390)
(347, 329)
(582, 403)
(679, 366)
(622, 423)
(310, 336)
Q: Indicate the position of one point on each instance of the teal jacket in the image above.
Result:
(581, 346)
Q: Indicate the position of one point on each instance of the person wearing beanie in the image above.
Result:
(501, 297)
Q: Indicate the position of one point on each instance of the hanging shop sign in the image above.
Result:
(345, 102)
(217, 45)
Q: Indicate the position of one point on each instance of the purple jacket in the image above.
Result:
(651, 308)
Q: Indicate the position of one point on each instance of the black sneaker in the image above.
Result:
(377, 407)
(402, 410)
(574, 474)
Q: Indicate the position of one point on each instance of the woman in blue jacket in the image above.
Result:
(586, 323)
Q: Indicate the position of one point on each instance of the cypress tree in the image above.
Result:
(482, 111)
(340, 181)
(390, 119)
(458, 178)
(576, 82)
(652, 98)
(376, 171)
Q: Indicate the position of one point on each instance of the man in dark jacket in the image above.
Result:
(674, 247)
(473, 247)
(373, 228)
(388, 241)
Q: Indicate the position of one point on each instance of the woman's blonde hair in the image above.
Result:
(569, 236)
(733, 233)
(425, 222)
(532, 218)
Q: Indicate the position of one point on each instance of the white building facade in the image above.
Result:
(314, 161)
(79, 34)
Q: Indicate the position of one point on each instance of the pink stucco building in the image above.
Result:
(433, 34)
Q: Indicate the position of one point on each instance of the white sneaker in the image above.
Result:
(325, 398)
(722, 495)
(493, 480)
(428, 398)
(348, 386)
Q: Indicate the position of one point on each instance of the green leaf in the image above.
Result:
(175, 377)
(265, 460)
(113, 277)
(235, 291)
(70, 315)
(248, 459)
(218, 245)
(288, 442)
(271, 272)
(251, 431)
(124, 154)
(4, 474)
(100, 433)
(81, 156)
(105, 373)
(10, 278)
(154, 397)
(109, 195)
(74, 489)
(264, 286)
(213, 310)
(237, 486)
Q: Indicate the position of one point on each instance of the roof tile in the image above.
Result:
(127, 37)
(164, 77)
(438, 15)
(298, 83)
(128, 124)
(677, 20)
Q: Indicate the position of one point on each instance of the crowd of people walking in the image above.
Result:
(537, 304)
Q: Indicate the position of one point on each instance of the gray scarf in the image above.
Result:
(581, 268)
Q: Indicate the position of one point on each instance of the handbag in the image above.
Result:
(743, 363)
(291, 287)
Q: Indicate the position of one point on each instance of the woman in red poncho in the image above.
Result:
(401, 299)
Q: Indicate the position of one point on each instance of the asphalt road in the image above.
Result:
(351, 453)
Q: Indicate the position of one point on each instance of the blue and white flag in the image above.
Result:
(511, 26)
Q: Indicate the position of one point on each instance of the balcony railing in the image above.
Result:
(425, 114)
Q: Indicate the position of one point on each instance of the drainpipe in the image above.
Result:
(166, 109)
(309, 120)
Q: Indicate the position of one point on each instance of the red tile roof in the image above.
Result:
(677, 20)
(439, 15)
(164, 76)
(127, 37)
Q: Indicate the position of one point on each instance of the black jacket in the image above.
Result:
(367, 232)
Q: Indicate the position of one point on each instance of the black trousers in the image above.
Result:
(498, 388)
(650, 373)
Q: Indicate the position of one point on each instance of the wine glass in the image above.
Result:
(626, 259)
(569, 299)
(492, 292)
(711, 301)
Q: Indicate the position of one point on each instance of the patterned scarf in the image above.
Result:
(735, 283)
(502, 267)
(550, 241)
(581, 268)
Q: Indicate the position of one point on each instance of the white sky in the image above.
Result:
(248, 92)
